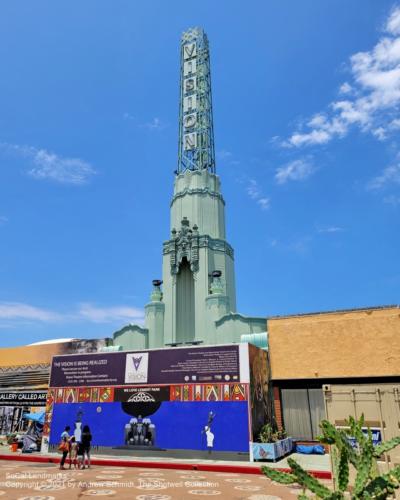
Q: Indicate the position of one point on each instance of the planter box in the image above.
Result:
(271, 451)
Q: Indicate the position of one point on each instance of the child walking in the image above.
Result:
(73, 453)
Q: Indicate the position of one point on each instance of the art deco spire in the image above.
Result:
(196, 135)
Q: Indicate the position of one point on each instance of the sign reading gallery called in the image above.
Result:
(23, 398)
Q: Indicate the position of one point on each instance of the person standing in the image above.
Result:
(80, 456)
(86, 440)
(73, 446)
(65, 442)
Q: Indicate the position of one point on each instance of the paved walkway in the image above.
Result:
(318, 464)
(33, 481)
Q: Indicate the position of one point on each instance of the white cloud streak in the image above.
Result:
(264, 203)
(392, 200)
(253, 189)
(223, 154)
(389, 177)
(128, 116)
(19, 311)
(50, 166)
(372, 100)
(110, 314)
(254, 192)
(226, 157)
(296, 170)
(86, 312)
(156, 124)
(345, 88)
(330, 230)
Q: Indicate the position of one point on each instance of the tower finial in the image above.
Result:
(196, 134)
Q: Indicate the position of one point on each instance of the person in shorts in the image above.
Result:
(86, 440)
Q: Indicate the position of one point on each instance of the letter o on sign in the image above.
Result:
(189, 120)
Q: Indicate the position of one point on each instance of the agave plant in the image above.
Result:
(368, 484)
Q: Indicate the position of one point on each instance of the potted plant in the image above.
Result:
(273, 444)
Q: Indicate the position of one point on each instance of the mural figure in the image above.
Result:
(78, 426)
(210, 439)
(140, 432)
(209, 434)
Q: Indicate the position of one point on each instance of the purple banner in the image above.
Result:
(164, 366)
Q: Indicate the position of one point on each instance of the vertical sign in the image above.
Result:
(196, 136)
(189, 96)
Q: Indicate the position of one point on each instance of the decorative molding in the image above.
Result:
(204, 241)
(245, 319)
(184, 244)
(217, 300)
(201, 191)
(154, 306)
(132, 329)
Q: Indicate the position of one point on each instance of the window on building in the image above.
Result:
(303, 409)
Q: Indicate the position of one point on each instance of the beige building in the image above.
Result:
(335, 364)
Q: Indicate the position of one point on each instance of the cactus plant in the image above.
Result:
(343, 471)
(278, 476)
(386, 446)
(368, 483)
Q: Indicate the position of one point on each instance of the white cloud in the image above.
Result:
(379, 133)
(128, 116)
(63, 170)
(123, 314)
(372, 99)
(345, 88)
(296, 170)
(253, 189)
(393, 23)
(226, 157)
(330, 229)
(48, 165)
(86, 312)
(395, 124)
(19, 311)
(264, 203)
(255, 193)
(392, 200)
(390, 176)
(300, 245)
(156, 124)
(223, 154)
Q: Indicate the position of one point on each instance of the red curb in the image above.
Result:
(239, 469)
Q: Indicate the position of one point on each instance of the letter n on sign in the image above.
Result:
(190, 141)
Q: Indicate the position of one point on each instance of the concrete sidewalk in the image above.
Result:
(318, 465)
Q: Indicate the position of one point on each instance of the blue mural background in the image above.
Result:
(178, 424)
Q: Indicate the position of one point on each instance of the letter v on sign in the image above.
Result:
(189, 50)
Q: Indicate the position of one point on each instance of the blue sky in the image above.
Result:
(306, 102)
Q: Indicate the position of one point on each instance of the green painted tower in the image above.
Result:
(197, 304)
